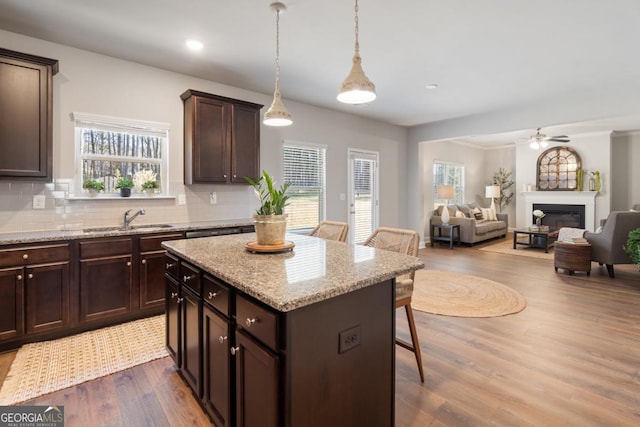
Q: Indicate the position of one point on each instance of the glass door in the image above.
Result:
(363, 194)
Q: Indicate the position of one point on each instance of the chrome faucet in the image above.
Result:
(129, 219)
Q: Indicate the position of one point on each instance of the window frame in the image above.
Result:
(323, 196)
(123, 125)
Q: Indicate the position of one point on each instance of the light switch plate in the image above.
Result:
(38, 201)
(213, 198)
(182, 199)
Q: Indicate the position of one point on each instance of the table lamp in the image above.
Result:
(492, 192)
(445, 192)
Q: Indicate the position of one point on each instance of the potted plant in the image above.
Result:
(145, 180)
(270, 219)
(93, 186)
(125, 185)
(632, 247)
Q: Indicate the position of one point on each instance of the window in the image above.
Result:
(110, 147)
(558, 169)
(448, 174)
(304, 169)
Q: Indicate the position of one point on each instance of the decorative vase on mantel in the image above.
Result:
(270, 229)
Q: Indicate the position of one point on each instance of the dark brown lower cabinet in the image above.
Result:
(256, 384)
(47, 297)
(172, 311)
(191, 319)
(11, 303)
(216, 397)
(151, 270)
(105, 287)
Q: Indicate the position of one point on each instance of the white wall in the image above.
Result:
(625, 158)
(98, 84)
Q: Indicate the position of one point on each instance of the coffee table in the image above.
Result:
(536, 236)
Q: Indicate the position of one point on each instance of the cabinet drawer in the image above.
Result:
(258, 321)
(171, 265)
(34, 255)
(215, 293)
(105, 247)
(152, 243)
(190, 276)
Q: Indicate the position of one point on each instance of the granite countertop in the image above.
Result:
(315, 270)
(136, 228)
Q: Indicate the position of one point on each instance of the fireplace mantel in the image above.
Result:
(586, 198)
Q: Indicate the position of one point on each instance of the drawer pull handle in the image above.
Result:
(222, 339)
(144, 261)
(170, 265)
(25, 256)
(19, 277)
(250, 321)
(29, 276)
(128, 263)
(179, 300)
(234, 350)
(212, 295)
(174, 294)
(186, 278)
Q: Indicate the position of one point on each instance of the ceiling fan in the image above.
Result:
(540, 140)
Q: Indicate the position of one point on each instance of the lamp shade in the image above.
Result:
(492, 191)
(445, 192)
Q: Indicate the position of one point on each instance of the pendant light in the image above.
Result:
(277, 114)
(357, 88)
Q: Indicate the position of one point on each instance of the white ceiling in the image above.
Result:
(485, 55)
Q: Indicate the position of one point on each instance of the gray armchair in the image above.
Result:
(607, 246)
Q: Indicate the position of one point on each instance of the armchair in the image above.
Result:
(607, 245)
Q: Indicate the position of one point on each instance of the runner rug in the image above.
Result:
(462, 295)
(48, 366)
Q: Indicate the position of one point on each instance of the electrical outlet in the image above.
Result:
(38, 202)
(349, 339)
(213, 198)
(182, 199)
(343, 197)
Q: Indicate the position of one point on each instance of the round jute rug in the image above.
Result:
(462, 295)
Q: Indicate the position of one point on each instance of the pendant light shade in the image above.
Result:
(277, 114)
(356, 88)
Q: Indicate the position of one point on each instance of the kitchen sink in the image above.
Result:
(131, 227)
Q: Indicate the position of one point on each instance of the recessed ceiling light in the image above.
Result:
(194, 44)
(432, 86)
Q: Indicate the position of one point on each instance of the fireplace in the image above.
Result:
(550, 199)
(560, 215)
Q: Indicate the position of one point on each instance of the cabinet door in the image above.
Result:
(105, 287)
(173, 319)
(47, 297)
(245, 143)
(256, 384)
(11, 303)
(190, 307)
(208, 148)
(25, 122)
(216, 366)
(152, 289)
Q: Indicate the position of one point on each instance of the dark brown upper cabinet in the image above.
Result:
(26, 114)
(221, 139)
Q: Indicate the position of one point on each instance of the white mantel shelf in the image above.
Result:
(586, 198)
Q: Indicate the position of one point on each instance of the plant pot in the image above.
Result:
(270, 229)
(150, 192)
(125, 192)
(93, 192)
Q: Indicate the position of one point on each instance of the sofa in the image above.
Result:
(472, 229)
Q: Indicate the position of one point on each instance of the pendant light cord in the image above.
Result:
(357, 30)
(278, 51)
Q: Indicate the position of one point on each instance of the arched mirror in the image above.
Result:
(558, 169)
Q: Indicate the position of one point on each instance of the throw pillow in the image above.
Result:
(459, 214)
(489, 214)
(465, 210)
(477, 214)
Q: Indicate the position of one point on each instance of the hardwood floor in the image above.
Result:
(571, 358)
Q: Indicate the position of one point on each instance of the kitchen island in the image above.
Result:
(299, 338)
